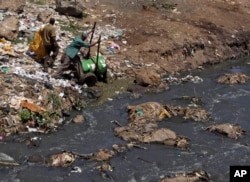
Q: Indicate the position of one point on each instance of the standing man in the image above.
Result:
(50, 44)
(70, 59)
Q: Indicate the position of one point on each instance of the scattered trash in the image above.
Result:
(195, 176)
(63, 159)
(234, 78)
(233, 131)
(32, 107)
(104, 169)
(150, 134)
(7, 160)
(76, 169)
(147, 112)
(4, 68)
(188, 78)
(34, 141)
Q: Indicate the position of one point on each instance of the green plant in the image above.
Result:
(43, 120)
(55, 100)
(79, 104)
(25, 115)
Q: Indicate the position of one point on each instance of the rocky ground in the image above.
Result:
(153, 39)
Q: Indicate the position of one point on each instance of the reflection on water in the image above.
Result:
(208, 151)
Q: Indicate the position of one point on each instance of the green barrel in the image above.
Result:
(89, 65)
(102, 67)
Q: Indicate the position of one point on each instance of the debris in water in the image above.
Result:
(231, 130)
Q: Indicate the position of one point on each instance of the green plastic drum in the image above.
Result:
(89, 65)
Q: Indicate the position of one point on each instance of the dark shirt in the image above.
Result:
(74, 47)
(48, 34)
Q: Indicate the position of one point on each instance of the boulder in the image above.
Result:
(70, 8)
(147, 78)
(9, 28)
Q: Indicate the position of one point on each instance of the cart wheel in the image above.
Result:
(90, 79)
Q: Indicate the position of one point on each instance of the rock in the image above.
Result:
(68, 8)
(79, 119)
(9, 28)
(147, 78)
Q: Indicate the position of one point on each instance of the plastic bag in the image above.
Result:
(37, 46)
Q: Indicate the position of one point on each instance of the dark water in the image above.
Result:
(208, 151)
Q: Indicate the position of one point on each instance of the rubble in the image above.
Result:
(147, 112)
(195, 176)
(148, 134)
(63, 159)
(233, 131)
(143, 118)
(234, 78)
(33, 101)
(153, 111)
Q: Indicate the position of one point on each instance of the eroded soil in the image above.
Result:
(176, 35)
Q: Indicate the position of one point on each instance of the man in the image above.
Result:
(70, 59)
(50, 44)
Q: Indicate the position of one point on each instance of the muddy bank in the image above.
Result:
(144, 43)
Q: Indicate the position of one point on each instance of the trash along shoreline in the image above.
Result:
(33, 101)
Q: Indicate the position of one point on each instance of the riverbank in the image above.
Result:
(164, 38)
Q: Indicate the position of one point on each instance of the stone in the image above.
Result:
(68, 8)
(78, 119)
(9, 28)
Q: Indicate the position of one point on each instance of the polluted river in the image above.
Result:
(208, 151)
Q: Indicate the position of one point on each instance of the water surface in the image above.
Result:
(208, 151)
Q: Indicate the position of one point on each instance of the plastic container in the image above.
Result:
(89, 65)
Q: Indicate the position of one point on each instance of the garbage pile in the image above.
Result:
(235, 78)
(31, 100)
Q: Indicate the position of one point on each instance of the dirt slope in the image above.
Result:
(177, 35)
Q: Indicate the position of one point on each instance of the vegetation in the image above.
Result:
(45, 119)
(79, 105)
(55, 100)
(25, 115)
